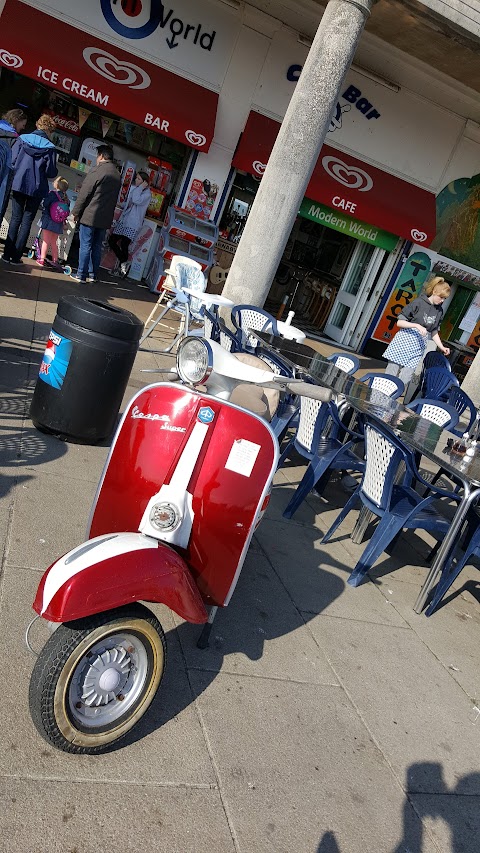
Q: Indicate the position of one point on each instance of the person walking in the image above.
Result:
(94, 210)
(418, 322)
(56, 208)
(34, 161)
(12, 124)
(131, 220)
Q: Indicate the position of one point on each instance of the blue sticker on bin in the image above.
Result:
(206, 415)
(55, 360)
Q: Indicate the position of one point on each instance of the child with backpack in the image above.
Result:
(56, 209)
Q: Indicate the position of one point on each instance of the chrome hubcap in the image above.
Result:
(107, 674)
(108, 680)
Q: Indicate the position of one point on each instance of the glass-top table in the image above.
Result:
(418, 433)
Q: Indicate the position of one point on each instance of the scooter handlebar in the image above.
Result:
(307, 389)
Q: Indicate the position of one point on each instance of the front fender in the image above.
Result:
(116, 569)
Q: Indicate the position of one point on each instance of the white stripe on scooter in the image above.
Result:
(188, 459)
(176, 492)
(95, 551)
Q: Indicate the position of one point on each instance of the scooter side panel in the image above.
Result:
(145, 449)
(226, 495)
(114, 570)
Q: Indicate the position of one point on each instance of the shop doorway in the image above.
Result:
(351, 311)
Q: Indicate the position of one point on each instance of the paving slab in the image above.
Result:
(44, 454)
(412, 706)
(451, 633)
(69, 817)
(452, 819)
(50, 518)
(261, 633)
(315, 575)
(167, 747)
(296, 764)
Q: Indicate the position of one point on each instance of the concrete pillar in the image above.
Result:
(471, 383)
(295, 152)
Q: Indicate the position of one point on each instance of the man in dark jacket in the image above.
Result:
(34, 161)
(94, 211)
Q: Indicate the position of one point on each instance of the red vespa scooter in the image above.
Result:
(186, 482)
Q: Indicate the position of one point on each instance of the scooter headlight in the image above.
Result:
(165, 517)
(194, 360)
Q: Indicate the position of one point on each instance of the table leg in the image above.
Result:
(446, 546)
(361, 524)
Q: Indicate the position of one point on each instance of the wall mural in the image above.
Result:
(458, 222)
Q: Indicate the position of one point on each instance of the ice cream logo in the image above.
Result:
(115, 70)
(197, 139)
(11, 60)
(55, 360)
(349, 176)
(135, 19)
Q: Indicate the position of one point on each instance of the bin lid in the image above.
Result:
(98, 316)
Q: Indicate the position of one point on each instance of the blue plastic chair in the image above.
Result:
(230, 341)
(318, 439)
(397, 505)
(434, 358)
(462, 403)
(451, 568)
(211, 327)
(392, 386)
(436, 411)
(345, 361)
(289, 405)
(246, 317)
(274, 361)
(437, 383)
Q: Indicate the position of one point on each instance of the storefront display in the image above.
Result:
(139, 249)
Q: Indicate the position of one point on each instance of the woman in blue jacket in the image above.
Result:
(34, 161)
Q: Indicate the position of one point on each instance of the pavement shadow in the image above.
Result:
(455, 806)
(262, 609)
(470, 586)
(328, 844)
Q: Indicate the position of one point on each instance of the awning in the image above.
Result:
(348, 185)
(72, 61)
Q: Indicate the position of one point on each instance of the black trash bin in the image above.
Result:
(85, 370)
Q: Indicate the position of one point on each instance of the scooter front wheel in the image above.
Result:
(96, 677)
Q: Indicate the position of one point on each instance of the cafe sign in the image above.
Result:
(347, 225)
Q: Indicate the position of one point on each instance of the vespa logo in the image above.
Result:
(136, 413)
(11, 60)
(152, 416)
(132, 20)
(349, 176)
(206, 415)
(116, 70)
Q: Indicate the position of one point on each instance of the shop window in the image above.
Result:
(339, 315)
(238, 207)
